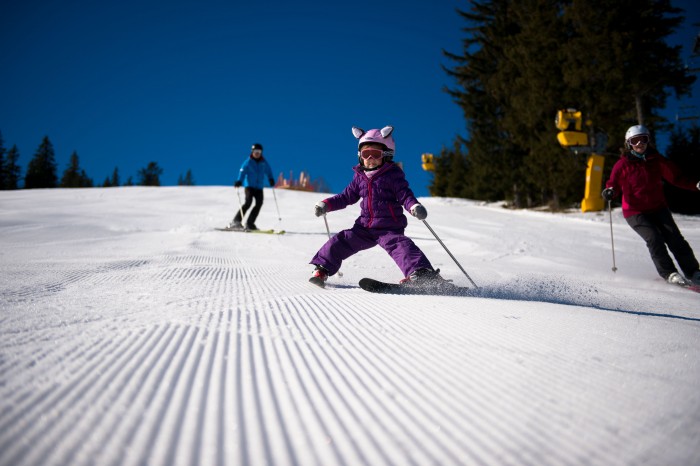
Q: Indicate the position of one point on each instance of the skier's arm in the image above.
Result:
(613, 182)
(242, 172)
(268, 172)
(404, 194)
(350, 195)
(672, 173)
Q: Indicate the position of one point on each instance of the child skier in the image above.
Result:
(639, 177)
(383, 188)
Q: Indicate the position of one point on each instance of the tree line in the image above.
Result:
(522, 61)
(42, 171)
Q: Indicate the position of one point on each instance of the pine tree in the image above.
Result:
(71, 175)
(187, 180)
(41, 172)
(494, 159)
(438, 186)
(13, 172)
(522, 61)
(114, 181)
(74, 176)
(150, 176)
(3, 163)
(684, 151)
(618, 65)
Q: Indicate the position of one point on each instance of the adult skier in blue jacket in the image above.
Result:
(252, 175)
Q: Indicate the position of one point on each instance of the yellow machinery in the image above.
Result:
(569, 122)
(428, 162)
(592, 200)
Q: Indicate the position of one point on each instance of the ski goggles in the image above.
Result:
(642, 139)
(257, 152)
(372, 154)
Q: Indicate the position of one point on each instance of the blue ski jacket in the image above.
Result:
(255, 173)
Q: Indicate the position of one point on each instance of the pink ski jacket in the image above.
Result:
(640, 181)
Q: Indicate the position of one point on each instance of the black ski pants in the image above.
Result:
(659, 231)
(251, 194)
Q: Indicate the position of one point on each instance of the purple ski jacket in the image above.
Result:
(383, 196)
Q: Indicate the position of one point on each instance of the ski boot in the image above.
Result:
(235, 225)
(677, 279)
(319, 277)
(427, 278)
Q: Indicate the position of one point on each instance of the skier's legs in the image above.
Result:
(341, 246)
(646, 227)
(257, 195)
(679, 247)
(246, 205)
(404, 251)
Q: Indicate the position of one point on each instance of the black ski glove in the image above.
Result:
(272, 181)
(608, 194)
(238, 184)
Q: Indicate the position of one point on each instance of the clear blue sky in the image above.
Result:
(193, 84)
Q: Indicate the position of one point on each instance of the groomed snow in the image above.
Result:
(132, 333)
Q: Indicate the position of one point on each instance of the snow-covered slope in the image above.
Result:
(133, 333)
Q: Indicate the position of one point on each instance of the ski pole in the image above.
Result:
(240, 205)
(279, 217)
(612, 239)
(450, 254)
(328, 230)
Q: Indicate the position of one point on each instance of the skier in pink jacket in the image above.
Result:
(638, 176)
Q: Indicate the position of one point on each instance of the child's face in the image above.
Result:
(371, 155)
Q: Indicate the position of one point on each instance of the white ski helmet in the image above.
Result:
(636, 130)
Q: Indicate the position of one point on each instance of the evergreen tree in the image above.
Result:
(493, 158)
(187, 180)
(3, 165)
(438, 186)
(150, 176)
(617, 64)
(86, 180)
(74, 176)
(522, 61)
(129, 182)
(13, 172)
(529, 82)
(114, 181)
(684, 151)
(41, 172)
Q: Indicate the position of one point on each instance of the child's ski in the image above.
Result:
(243, 230)
(442, 288)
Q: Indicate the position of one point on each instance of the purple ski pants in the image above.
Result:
(358, 238)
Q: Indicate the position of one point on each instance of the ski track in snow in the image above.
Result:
(201, 348)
